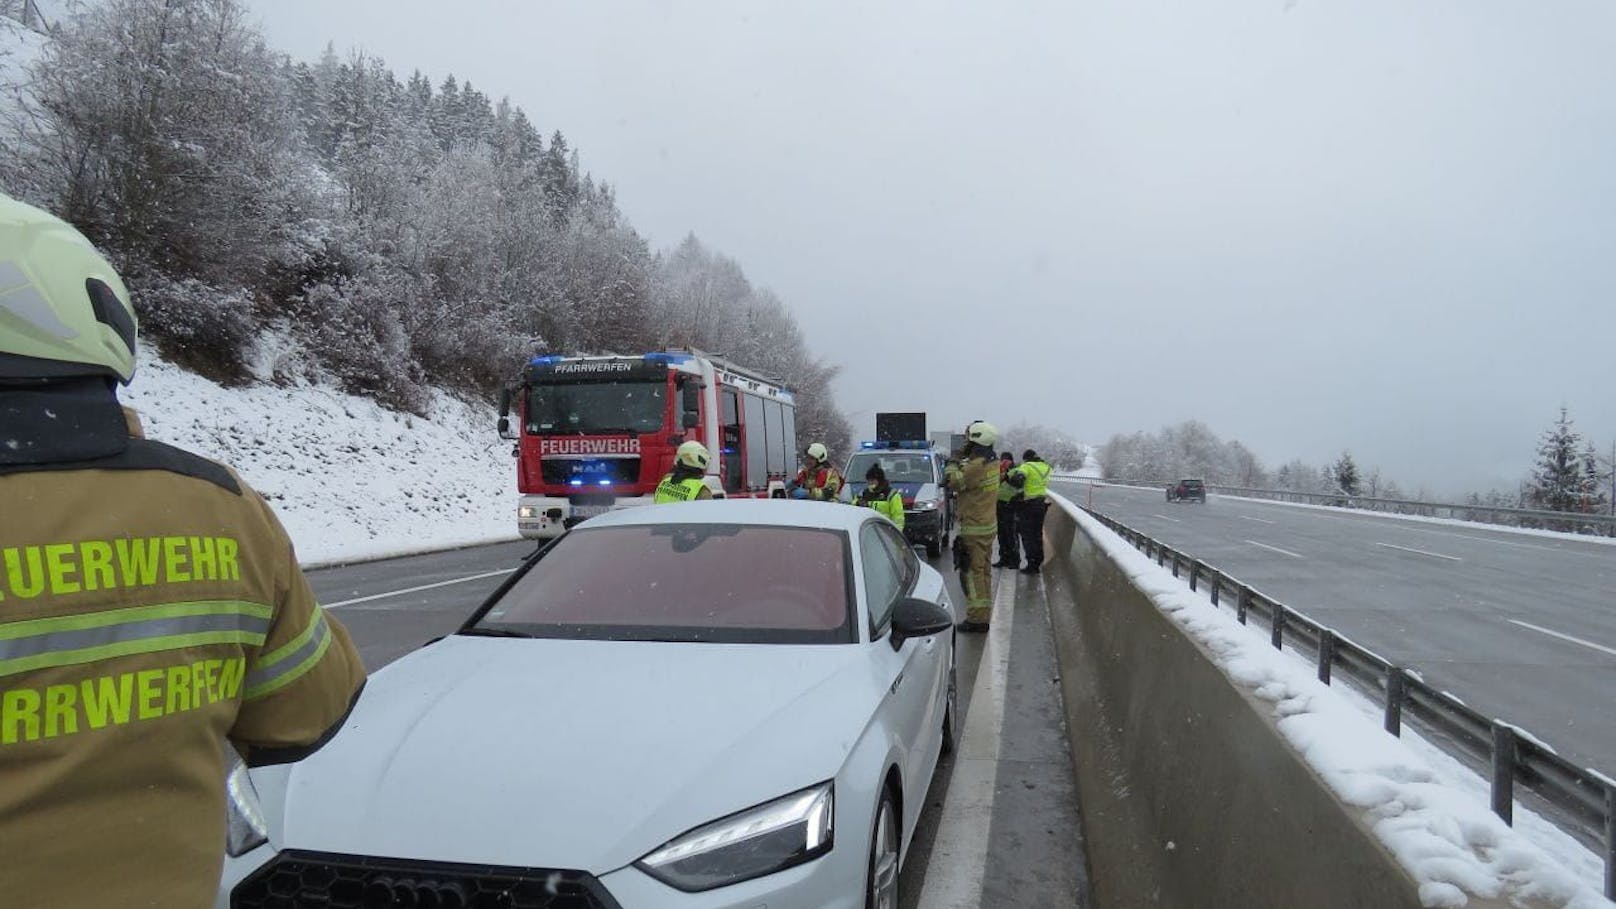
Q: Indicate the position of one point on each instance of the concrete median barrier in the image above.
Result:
(1191, 796)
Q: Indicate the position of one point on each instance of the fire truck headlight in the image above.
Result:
(526, 511)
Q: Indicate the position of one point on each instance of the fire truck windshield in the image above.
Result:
(596, 407)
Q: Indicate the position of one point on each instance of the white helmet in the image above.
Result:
(693, 454)
(63, 311)
(983, 433)
(819, 452)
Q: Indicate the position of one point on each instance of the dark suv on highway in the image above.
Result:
(1187, 491)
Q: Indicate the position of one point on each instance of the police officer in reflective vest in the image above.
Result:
(973, 475)
(879, 494)
(1009, 500)
(1032, 478)
(684, 483)
(151, 608)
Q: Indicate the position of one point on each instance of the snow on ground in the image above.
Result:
(349, 478)
(1429, 810)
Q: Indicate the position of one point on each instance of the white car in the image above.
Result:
(709, 704)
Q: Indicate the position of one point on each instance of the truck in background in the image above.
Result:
(595, 433)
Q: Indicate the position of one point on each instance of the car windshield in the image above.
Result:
(722, 583)
(900, 467)
(585, 407)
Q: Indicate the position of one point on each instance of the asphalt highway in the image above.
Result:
(1002, 825)
(1520, 627)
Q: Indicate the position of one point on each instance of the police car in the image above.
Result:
(916, 472)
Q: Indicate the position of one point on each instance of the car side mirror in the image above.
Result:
(917, 618)
(691, 419)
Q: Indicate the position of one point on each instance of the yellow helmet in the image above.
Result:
(819, 452)
(983, 433)
(693, 454)
(63, 310)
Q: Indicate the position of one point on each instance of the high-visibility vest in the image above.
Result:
(1035, 478)
(890, 504)
(671, 490)
(1007, 491)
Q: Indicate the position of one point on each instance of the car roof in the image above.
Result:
(772, 512)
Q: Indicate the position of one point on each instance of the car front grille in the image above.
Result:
(562, 471)
(295, 880)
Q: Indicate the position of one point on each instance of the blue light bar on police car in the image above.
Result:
(899, 444)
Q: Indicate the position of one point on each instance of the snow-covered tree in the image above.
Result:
(1344, 473)
(1566, 476)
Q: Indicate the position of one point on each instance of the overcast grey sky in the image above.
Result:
(1377, 225)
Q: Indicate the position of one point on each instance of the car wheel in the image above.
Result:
(881, 884)
(934, 548)
(951, 710)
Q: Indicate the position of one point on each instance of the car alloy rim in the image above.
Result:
(884, 860)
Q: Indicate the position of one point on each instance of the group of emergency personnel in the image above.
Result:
(1023, 502)
(995, 497)
(151, 609)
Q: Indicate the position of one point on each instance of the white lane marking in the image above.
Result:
(1247, 517)
(1564, 637)
(1465, 536)
(1434, 555)
(1166, 518)
(1277, 549)
(959, 855)
(395, 593)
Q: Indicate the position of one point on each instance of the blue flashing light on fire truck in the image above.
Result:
(595, 433)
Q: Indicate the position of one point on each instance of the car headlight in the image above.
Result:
(926, 504)
(246, 829)
(772, 837)
(526, 511)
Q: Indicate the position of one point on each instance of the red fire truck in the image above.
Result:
(598, 433)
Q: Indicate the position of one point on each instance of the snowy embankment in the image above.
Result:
(349, 478)
(1427, 809)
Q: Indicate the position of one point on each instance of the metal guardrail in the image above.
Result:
(1583, 801)
(1604, 524)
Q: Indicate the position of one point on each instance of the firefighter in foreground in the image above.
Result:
(880, 495)
(817, 480)
(151, 609)
(1009, 499)
(1032, 478)
(684, 483)
(973, 475)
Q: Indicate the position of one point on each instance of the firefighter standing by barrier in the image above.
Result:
(973, 474)
(153, 610)
(1009, 502)
(1032, 477)
(880, 495)
(817, 480)
(684, 483)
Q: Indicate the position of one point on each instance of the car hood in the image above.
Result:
(573, 754)
(911, 492)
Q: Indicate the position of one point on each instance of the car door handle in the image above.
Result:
(895, 683)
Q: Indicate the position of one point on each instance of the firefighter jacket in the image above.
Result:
(888, 501)
(1033, 478)
(151, 607)
(975, 481)
(823, 482)
(688, 489)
